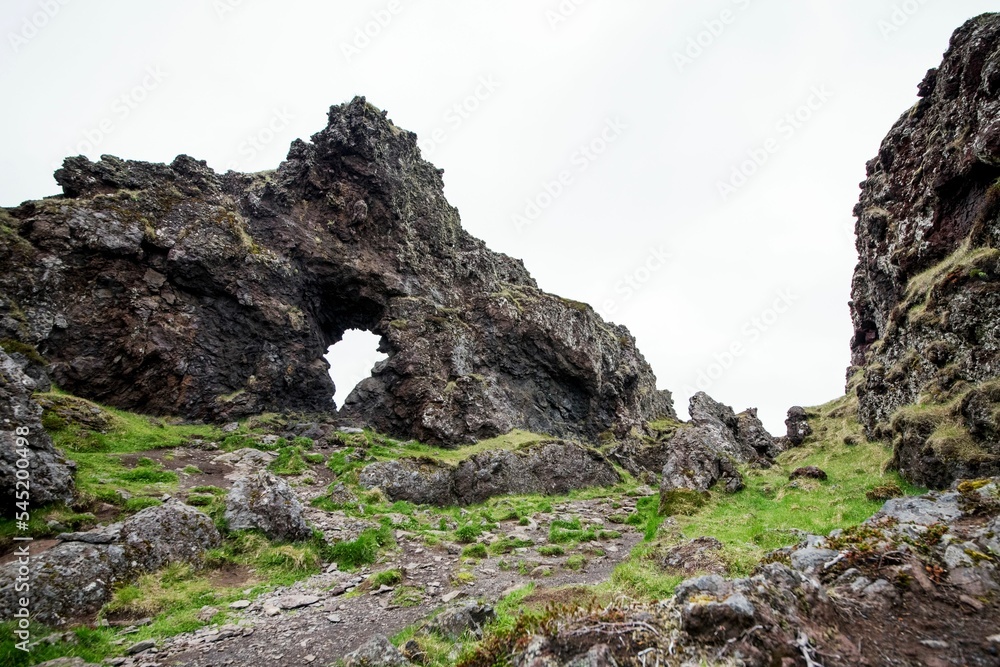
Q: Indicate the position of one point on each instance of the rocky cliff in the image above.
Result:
(926, 291)
(173, 289)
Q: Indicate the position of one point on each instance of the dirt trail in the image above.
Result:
(341, 619)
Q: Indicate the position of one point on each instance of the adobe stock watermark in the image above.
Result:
(634, 281)
(750, 333)
(255, 142)
(458, 113)
(122, 107)
(581, 160)
(563, 12)
(223, 8)
(900, 16)
(22, 520)
(33, 24)
(712, 30)
(786, 128)
(364, 35)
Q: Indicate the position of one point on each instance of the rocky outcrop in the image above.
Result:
(26, 447)
(174, 289)
(262, 501)
(76, 577)
(837, 600)
(549, 468)
(741, 437)
(926, 291)
(707, 451)
(797, 426)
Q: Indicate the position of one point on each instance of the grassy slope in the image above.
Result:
(765, 516)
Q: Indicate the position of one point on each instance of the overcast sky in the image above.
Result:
(689, 170)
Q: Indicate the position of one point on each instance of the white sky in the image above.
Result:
(233, 82)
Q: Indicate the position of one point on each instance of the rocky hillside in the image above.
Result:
(926, 291)
(171, 289)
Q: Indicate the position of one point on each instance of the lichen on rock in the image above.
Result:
(172, 289)
(926, 290)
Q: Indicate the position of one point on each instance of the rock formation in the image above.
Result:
(261, 501)
(926, 291)
(76, 577)
(548, 468)
(707, 450)
(173, 289)
(49, 476)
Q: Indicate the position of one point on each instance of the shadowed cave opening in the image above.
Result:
(352, 360)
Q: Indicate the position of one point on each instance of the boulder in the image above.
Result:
(50, 475)
(705, 452)
(265, 502)
(452, 622)
(548, 468)
(377, 652)
(922, 511)
(168, 533)
(69, 581)
(751, 433)
(76, 577)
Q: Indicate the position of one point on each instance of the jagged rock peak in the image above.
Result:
(926, 291)
(172, 289)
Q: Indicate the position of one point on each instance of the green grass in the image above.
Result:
(504, 545)
(128, 432)
(274, 564)
(640, 578)
(386, 578)
(475, 551)
(551, 550)
(772, 512)
(565, 532)
(90, 644)
(408, 596)
(516, 439)
(468, 533)
(289, 461)
(363, 550)
(767, 514)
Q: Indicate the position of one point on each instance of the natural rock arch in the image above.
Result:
(172, 289)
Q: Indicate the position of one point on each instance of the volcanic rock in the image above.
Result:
(172, 289)
(262, 501)
(550, 468)
(926, 290)
(49, 474)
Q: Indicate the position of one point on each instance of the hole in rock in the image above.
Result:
(352, 360)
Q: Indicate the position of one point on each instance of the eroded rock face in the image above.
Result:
(173, 289)
(926, 291)
(548, 468)
(50, 474)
